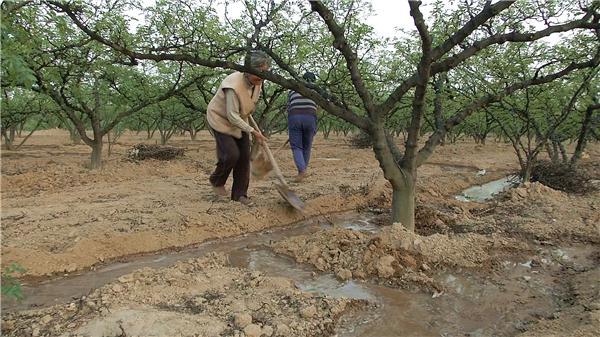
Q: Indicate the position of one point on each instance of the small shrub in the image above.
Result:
(361, 140)
(10, 285)
(562, 177)
(144, 151)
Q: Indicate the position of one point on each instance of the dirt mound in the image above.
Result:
(351, 254)
(429, 220)
(200, 297)
(395, 255)
(543, 214)
(536, 191)
(148, 151)
(562, 177)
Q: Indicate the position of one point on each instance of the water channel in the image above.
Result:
(474, 303)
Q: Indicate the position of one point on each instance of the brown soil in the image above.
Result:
(58, 217)
(199, 297)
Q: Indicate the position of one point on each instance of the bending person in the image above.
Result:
(227, 115)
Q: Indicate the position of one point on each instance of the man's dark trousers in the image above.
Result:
(232, 154)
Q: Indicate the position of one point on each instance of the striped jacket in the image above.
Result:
(297, 104)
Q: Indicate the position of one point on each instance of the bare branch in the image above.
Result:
(435, 138)
(351, 57)
(458, 37)
(588, 21)
(423, 73)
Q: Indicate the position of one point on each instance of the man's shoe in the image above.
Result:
(301, 176)
(220, 191)
(245, 201)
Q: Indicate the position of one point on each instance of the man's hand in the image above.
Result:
(259, 136)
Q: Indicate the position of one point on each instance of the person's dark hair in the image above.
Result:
(309, 77)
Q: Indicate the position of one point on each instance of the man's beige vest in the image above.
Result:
(216, 113)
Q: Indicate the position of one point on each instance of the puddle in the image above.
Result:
(64, 289)
(75, 285)
(487, 191)
(362, 226)
(305, 277)
(471, 305)
(403, 304)
(501, 302)
(355, 222)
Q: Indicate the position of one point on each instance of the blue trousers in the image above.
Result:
(301, 128)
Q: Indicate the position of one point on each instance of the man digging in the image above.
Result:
(227, 115)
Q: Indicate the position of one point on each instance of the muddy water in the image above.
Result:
(487, 191)
(403, 303)
(75, 285)
(306, 278)
(472, 305)
(62, 290)
(502, 302)
(498, 304)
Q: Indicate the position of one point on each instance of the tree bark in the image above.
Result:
(403, 179)
(110, 142)
(552, 152)
(96, 160)
(438, 86)
(585, 129)
(7, 141)
(403, 203)
(12, 130)
(74, 136)
(527, 170)
(563, 153)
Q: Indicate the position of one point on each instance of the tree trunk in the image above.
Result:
(527, 167)
(7, 142)
(11, 135)
(438, 86)
(403, 204)
(74, 136)
(402, 179)
(20, 129)
(552, 152)
(527, 173)
(585, 129)
(563, 153)
(29, 134)
(96, 161)
(109, 144)
(193, 134)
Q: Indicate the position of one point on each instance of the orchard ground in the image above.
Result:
(59, 218)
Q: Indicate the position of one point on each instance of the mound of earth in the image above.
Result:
(199, 297)
(538, 212)
(395, 255)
